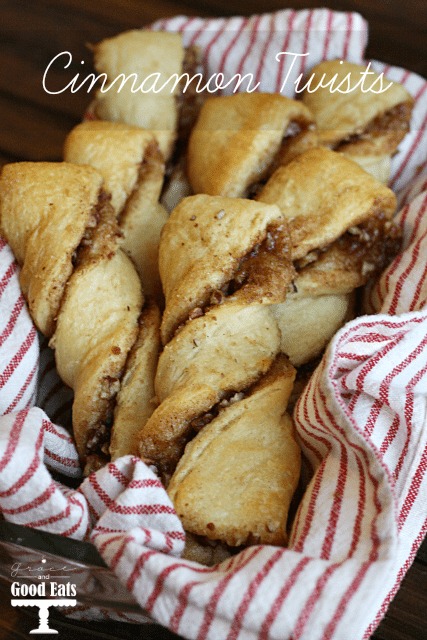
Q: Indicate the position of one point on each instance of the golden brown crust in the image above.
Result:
(212, 357)
(136, 400)
(130, 162)
(202, 247)
(142, 53)
(365, 126)
(318, 206)
(236, 138)
(237, 477)
(96, 328)
(341, 115)
(46, 205)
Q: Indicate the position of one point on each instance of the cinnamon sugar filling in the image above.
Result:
(395, 122)
(151, 170)
(370, 245)
(98, 441)
(264, 269)
(227, 398)
(100, 237)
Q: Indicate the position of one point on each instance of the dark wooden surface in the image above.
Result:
(33, 125)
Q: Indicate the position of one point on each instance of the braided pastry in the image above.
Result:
(239, 140)
(365, 125)
(46, 210)
(80, 286)
(223, 263)
(323, 195)
(132, 166)
(341, 234)
(143, 71)
(237, 477)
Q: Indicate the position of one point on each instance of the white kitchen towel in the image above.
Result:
(361, 420)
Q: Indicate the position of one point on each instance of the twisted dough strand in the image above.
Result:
(222, 384)
(80, 286)
(45, 209)
(132, 166)
(223, 262)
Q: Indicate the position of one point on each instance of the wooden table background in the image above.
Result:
(33, 126)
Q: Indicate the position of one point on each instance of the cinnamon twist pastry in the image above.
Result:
(360, 121)
(237, 477)
(308, 322)
(135, 401)
(46, 210)
(144, 72)
(238, 141)
(342, 233)
(223, 263)
(217, 249)
(80, 286)
(131, 164)
(326, 197)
